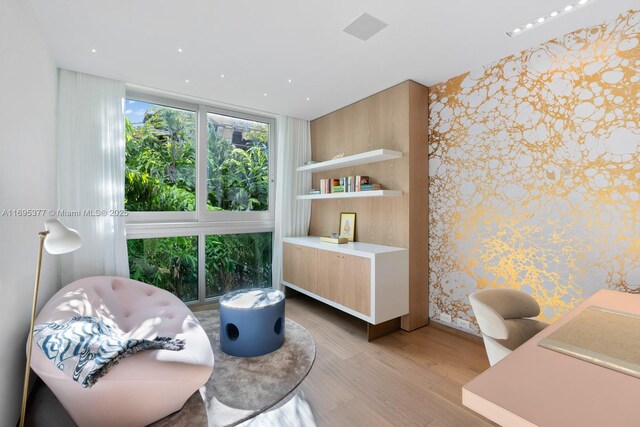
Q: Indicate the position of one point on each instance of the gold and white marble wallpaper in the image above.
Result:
(535, 173)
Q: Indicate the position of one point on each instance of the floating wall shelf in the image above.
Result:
(371, 193)
(379, 155)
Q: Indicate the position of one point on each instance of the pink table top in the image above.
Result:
(538, 386)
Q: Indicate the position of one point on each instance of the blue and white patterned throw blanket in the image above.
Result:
(85, 348)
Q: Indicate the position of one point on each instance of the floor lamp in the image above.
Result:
(56, 239)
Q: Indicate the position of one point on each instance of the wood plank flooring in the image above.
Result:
(402, 379)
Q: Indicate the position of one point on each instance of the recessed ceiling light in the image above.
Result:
(222, 76)
(93, 50)
(307, 98)
(186, 81)
(180, 49)
(265, 94)
(548, 17)
(290, 81)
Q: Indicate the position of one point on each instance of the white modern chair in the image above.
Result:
(505, 320)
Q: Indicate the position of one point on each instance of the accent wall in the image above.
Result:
(535, 173)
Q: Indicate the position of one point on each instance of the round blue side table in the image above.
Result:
(251, 322)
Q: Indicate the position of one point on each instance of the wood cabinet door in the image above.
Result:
(355, 285)
(329, 273)
(345, 279)
(299, 266)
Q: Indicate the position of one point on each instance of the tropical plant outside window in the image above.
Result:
(237, 164)
(170, 263)
(160, 162)
(161, 168)
(235, 261)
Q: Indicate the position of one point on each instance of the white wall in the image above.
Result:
(28, 82)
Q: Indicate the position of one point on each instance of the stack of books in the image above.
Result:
(347, 184)
(370, 187)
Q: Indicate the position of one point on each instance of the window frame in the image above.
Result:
(202, 223)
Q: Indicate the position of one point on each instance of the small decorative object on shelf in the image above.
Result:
(337, 240)
(348, 225)
(314, 191)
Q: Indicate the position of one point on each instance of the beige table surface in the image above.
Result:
(536, 386)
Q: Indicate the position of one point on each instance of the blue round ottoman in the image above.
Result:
(251, 322)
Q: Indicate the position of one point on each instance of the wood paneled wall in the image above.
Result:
(396, 119)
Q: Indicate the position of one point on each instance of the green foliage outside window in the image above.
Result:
(236, 261)
(160, 162)
(237, 178)
(170, 263)
(160, 175)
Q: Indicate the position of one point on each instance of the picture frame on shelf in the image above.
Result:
(348, 225)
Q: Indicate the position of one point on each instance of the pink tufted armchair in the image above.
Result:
(144, 387)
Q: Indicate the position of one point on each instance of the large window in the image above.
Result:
(199, 190)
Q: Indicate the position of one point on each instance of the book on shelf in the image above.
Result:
(337, 240)
(360, 181)
(370, 187)
(354, 183)
(325, 186)
(347, 184)
(337, 185)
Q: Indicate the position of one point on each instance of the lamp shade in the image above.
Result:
(61, 239)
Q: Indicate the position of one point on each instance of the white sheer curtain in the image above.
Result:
(90, 147)
(291, 215)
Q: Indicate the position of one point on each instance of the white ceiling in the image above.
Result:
(259, 45)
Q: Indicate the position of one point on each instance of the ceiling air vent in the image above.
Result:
(364, 27)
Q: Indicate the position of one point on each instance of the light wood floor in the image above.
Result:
(402, 379)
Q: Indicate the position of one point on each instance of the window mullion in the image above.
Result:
(201, 162)
(201, 268)
(201, 196)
